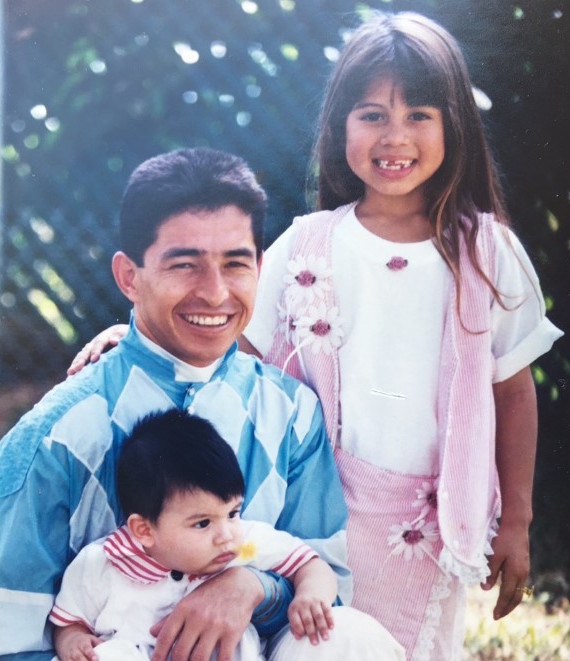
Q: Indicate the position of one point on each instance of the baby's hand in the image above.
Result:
(311, 617)
(75, 643)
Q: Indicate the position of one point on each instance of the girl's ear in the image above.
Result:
(141, 529)
(125, 272)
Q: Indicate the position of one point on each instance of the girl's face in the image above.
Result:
(392, 147)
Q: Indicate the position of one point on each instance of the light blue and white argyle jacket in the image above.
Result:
(58, 466)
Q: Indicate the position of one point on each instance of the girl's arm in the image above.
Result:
(91, 352)
(75, 642)
(310, 612)
(516, 410)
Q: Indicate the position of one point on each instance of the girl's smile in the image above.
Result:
(392, 147)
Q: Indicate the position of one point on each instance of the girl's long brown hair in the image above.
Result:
(422, 57)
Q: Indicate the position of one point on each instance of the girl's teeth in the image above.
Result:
(394, 165)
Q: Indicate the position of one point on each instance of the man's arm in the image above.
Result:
(34, 535)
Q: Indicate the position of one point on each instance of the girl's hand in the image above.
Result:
(102, 342)
(75, 643)
(312, 617)
(510, 562)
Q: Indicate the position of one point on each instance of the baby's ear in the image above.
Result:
(141, 529)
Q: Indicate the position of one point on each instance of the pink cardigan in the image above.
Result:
(468, 491)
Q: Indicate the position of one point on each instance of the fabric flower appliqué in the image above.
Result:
(426, 498)
(413, 540)
(306, 279)
(321, 328)
(247, 551)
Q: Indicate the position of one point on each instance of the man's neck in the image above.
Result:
(183, 371)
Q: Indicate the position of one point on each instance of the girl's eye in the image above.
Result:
(372, 117)
(419, 116)
(204, 523)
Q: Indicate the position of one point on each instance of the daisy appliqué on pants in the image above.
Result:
(306, 319)
(413, 539)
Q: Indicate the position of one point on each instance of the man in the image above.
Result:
(191, 231)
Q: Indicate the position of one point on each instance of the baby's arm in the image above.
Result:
(515, 403)
(75, 643)
(310, 612)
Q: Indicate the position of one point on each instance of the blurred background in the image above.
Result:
(90, 88)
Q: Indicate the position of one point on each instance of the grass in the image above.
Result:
(534, 631)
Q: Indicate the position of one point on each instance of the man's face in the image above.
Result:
(195, 292)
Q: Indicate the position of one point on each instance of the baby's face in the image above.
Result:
(197, 532)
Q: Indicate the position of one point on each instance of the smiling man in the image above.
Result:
(191, 233)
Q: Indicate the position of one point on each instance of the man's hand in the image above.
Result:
(75, 643)
(215, 615)
(511, 562)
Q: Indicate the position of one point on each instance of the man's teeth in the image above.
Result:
(201, 320)
(394, 165)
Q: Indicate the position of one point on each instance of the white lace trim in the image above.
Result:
(469, 574)
(432, 618)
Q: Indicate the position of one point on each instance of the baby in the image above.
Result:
(181, 491)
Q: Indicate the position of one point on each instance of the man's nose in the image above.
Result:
(212, 286)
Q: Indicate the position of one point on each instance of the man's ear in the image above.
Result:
(125, 272)
(141, 529)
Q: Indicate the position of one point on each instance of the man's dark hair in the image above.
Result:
(172, 452)
(196, 180)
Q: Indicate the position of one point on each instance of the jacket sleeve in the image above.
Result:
(52, 501)
(315, 509)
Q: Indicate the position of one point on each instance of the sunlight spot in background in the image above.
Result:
(481, 99)
(190, 97)
(52, 124)
(49, 311)
(186, 53)
(98, 67)
(218, 49)
(226, 100)
(331, 53)
(249, 7)
(38, 112)
(243, 118)
(287, 5)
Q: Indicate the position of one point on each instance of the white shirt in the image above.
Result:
(393, 327)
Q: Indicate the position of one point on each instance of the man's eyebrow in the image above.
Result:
(182, 252)
(173, 253)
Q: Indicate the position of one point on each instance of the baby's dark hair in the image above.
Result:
(173, 451)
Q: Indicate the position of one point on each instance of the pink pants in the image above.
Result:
(393, 545)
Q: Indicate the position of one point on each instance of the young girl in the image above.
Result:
(414, 312)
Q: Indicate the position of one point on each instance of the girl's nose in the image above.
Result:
(394, 133)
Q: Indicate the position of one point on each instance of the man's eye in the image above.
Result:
(204, 523)
(182, 265)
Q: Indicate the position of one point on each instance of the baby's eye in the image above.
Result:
(234, 514)
(204, 523)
